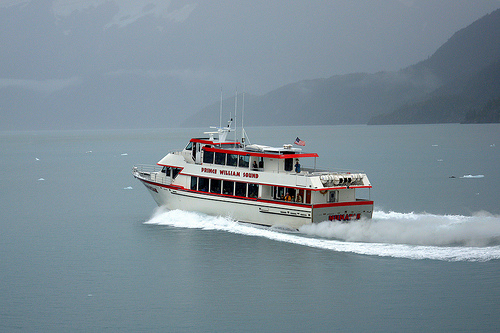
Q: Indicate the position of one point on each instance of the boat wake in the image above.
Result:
(398, 235)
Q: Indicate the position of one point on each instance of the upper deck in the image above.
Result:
(273, 165)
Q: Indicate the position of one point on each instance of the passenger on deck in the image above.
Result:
(254, 166)
(297, 166)
(288, 197)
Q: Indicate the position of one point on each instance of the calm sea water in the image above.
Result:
(83, 247)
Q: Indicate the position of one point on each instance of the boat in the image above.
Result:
(254, 183)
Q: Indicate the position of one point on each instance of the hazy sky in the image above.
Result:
(267, 43)
(203, 45)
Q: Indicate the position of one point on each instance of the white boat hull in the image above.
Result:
(256, 211)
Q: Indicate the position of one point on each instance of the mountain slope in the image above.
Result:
(469, 66)
(451, 102)
(468, 51)
(461, 75)
(341, 99)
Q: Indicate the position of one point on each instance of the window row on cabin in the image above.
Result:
(226, 187)
(250, 190)
(191, 145)
(242, 161)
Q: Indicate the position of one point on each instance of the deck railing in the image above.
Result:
(151, 173)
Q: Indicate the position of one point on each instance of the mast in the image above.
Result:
(242, 118)
(220, 111)
(235, 109)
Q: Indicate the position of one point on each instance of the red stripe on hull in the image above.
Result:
(279, 202)
(337, 204)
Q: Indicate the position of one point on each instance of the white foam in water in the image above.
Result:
(399, 235)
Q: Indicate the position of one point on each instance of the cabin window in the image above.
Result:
(288, 164)
(253, 190)
(279, 193)
(257, 163)
(227, 187)
(289, 194)
(220, 158)
(300, 196)
(208, 157)
(175, 172)
(244, 161)
(194, 183)
(203, 184)
(232, 160)
(261, 162)
(332, 196)
(166, 170)
(189, 146)
(241, 189)
(284, 193)
(215, 185)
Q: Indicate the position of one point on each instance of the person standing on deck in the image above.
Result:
(297, 166)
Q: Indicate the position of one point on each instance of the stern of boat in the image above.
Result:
(345, 213)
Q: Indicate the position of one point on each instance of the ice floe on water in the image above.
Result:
(388, 234)
(472, 176)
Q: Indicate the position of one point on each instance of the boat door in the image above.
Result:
(197, 152)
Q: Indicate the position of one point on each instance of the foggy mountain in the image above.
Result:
(463, 75)
(468, 65)
(341, 99)
(68, 64)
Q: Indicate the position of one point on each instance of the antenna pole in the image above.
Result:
(235, 109)
(242, 118)
(220, 111)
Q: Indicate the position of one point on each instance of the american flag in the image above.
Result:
(299, 142)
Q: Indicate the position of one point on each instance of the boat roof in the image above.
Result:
(236, 148)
